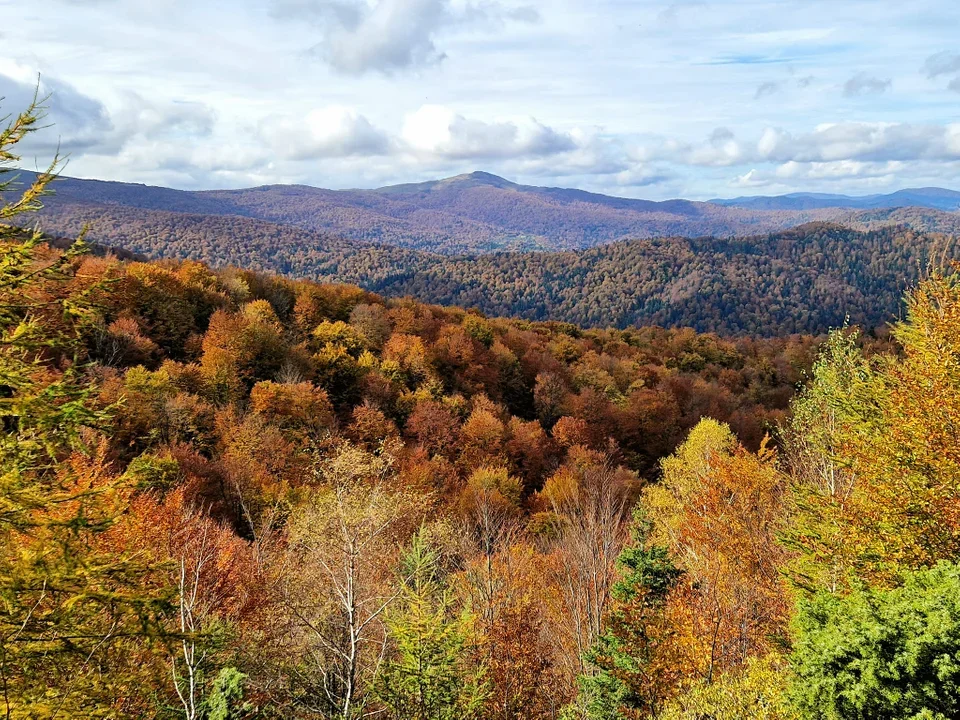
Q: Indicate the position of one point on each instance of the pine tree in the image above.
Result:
(881, 654)
(632, 657)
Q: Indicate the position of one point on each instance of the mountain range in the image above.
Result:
(929, 197)
(722, 269)
(480, 212)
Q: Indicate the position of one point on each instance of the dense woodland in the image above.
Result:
(921, 219)
(806, 280)
(235, 241)
(234, 495)
(475, 213)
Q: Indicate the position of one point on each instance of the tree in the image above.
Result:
(591, 497)
(513, 642)
(225, 701)
(549, 394)
(719, 510)
(909, 468)
(214, 583)
(344, 540)
(877, 477)
(756, 691)
(633, 664)
(435, 427)
(65, 598)
(881, 654)
(531, 451)
(481, 438)
(372, 322)
(299, 408)
(490, 506)
(426, 678)
(241, 348)
(826, 415)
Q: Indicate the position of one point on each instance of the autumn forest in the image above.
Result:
(229, 494)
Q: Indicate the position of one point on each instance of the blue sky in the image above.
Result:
(639, 98)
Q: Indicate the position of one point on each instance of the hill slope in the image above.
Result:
(808, 279)
(803, 280)
(472, 213)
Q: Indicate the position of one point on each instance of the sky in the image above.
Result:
(639, 98)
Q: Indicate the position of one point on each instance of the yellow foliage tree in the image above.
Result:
(718, 510)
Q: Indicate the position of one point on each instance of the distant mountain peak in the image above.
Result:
(480, 177)
(456, 183)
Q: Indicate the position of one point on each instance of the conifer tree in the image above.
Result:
(881, 654)
(632, 657)
(65, 598)
(427, 679)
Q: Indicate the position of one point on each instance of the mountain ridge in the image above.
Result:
(935, 198)
(802, 280)
(480, 213)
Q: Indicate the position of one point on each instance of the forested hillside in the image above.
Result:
(237, 241)
(809, 279)
(473, 213)
(235, 495)
(805, 280)
(246, 421)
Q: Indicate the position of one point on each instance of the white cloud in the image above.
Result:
(83, 125)
(862, 141)
(829, 142)
(334, 131)
(441, 132)
(81, 122)
(391, 35)
(752, 179)
(722, 149)
(850, 175)
(865, 84)
(836, 170)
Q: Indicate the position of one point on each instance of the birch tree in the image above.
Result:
(343, 547)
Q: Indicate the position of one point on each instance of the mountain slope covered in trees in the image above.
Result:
(473, 213)
(930, 197)
(808, 279)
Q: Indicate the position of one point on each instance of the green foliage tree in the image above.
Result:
(827, 413)
(225, 701)
(881, 654)
(65, 598)
(630, 659)
(426, 679)
(756, 691)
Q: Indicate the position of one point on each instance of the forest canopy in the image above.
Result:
(232, 494)
(809, 279)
